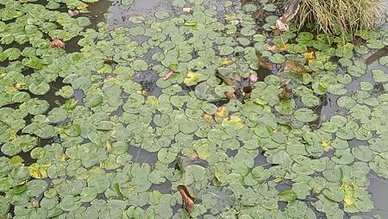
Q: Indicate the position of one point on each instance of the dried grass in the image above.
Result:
(338, 16)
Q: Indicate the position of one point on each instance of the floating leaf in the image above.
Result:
(379, 76)
(187, 197)
(222, 113)
(162, 15)
(277, 58)
(226, 50)
(384, 60)
(38, 171)
(57, 43)
(234, 121)
(305, 115)
(288, 195)
(126, 2)
(192, 78)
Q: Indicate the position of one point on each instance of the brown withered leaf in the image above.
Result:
(294, 67)
(286, 92)
(168, 75)
(188, 198)
(264, 62)
(145, 93)
(278, 48)
(57, 43)
(109, 61)
(207, 118)
(259, 15)
(230, 95)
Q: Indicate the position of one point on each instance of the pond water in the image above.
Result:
(202, 94)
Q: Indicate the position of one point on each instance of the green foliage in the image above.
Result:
(108, 145)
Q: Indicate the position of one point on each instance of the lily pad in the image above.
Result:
(305, 115)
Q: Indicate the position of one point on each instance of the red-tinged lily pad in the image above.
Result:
(187, 197)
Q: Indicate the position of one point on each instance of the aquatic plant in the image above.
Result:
(188, 121)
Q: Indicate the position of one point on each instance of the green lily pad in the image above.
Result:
(36, 187)
(277, 58)
(4, 206)
(226, 50)
(162, 15)
(384, 60)
(126, 2)
(305, 115)
(379, 76)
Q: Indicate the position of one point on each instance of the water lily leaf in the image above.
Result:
(33, 62)
(363, 153)
(346, 102)
(234, 121)
(277, 58)
(286, 106)
(288, 195)
(166, 156)
(269, 7)
(88, 194)
(4, 206)
(231, 144)
(334, 194)
(282, 158)
(139, 65)
(384, 60)
(356, 71)
(70, 203)
(36, 187)
(205, 92)
(179, 3)
(99, 182)
(57, 115)
(21, 143)
(248, 31)
(343, 157)
(375, 44)
(38, 171)
(337, 89)
(209, 108)
(379, 76)
(126, 2)
(345, 133)
(65, 92)
(37, 106)
(162, 15)
(42, 130)
(203, 151)
(12, 53)
(192, 78)
(305, 115)
(379, 165)
(188, 126)
(225, 50)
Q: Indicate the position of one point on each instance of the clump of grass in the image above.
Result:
(337, 17)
